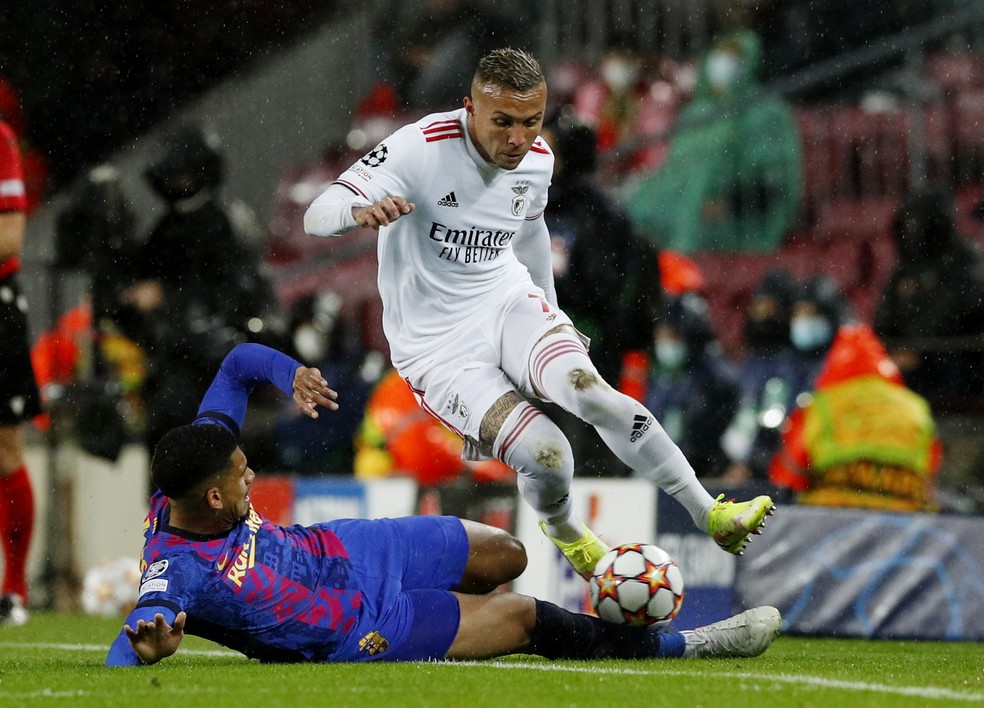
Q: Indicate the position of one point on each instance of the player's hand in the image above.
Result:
(156, 639)
(311, 390)
(382, 213)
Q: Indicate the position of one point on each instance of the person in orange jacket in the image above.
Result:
(397, 436)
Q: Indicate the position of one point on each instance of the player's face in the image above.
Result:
(503, 123)
(235, 487)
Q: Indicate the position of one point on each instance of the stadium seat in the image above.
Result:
(965, 206)
(968, 135)
(852, 152)
(818, 162)
(938, 132)
(857, 248)
(871, 150)
(968, 123)
(953, 72)
(856, 218)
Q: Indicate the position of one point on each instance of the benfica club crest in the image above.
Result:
(519, 201)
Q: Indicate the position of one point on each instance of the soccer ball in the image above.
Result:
(110, 588)
(637, 584)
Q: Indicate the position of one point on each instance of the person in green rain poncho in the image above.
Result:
(732, 176)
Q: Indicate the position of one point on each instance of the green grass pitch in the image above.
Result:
(56, 660)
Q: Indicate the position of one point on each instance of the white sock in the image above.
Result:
(534, 446)
(562, 371)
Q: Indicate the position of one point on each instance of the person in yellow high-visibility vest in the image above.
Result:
(863, 439)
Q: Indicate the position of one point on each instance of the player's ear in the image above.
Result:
(469, 105)
(213, 497)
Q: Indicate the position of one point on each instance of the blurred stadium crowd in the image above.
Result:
(767, 215)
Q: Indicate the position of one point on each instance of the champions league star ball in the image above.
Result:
(110, 588)
(637, 584)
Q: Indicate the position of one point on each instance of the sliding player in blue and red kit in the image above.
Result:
(413, 588)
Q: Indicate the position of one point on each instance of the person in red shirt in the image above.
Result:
(19, 396)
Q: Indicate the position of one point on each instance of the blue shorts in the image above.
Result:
(407, 567)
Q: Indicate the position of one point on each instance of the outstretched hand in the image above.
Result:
(311, 390)
(156, 639)
(382, 213)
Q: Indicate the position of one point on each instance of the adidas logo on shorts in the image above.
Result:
(449, 200)
(640, 424)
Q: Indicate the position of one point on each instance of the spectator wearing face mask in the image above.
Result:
(731, 180)
(765, 381)
(817, 310)
(817, 313)
(626, 103)
(610, 102)
(693, 386)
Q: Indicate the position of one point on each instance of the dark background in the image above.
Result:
(92, 78)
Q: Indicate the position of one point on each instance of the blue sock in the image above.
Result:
(671, 645)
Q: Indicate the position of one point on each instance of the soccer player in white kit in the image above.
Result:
(471, 315)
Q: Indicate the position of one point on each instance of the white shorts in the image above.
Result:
(490, 358)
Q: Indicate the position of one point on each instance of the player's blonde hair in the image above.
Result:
(509, 68)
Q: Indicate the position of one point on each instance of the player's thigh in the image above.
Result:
(437, 551)
(527, 320)
(434, 623)
(19, 396)
(412, 551)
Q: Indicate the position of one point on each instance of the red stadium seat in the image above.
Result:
(953, 72)
(968, 135)
(968, 119)
(819, 166)
(938, 131)
(872, 149)
(965, 205)
(855, 218)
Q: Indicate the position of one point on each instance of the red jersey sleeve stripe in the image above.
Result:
(352, 187)
(442, 125)
(435, 138)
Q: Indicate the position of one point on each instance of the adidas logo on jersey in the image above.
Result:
(449, 200)
(640, 424)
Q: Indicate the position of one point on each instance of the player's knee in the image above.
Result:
(550, 467)
(536, 448)
(512, 558)
(596, 402)
(495, 557)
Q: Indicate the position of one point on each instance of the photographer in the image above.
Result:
(199, 290)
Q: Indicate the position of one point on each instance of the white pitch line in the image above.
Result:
(105, 648)
(43, 693)
(929, 692)
(918, 691)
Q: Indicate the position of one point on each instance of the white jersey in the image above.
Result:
(452, 258)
